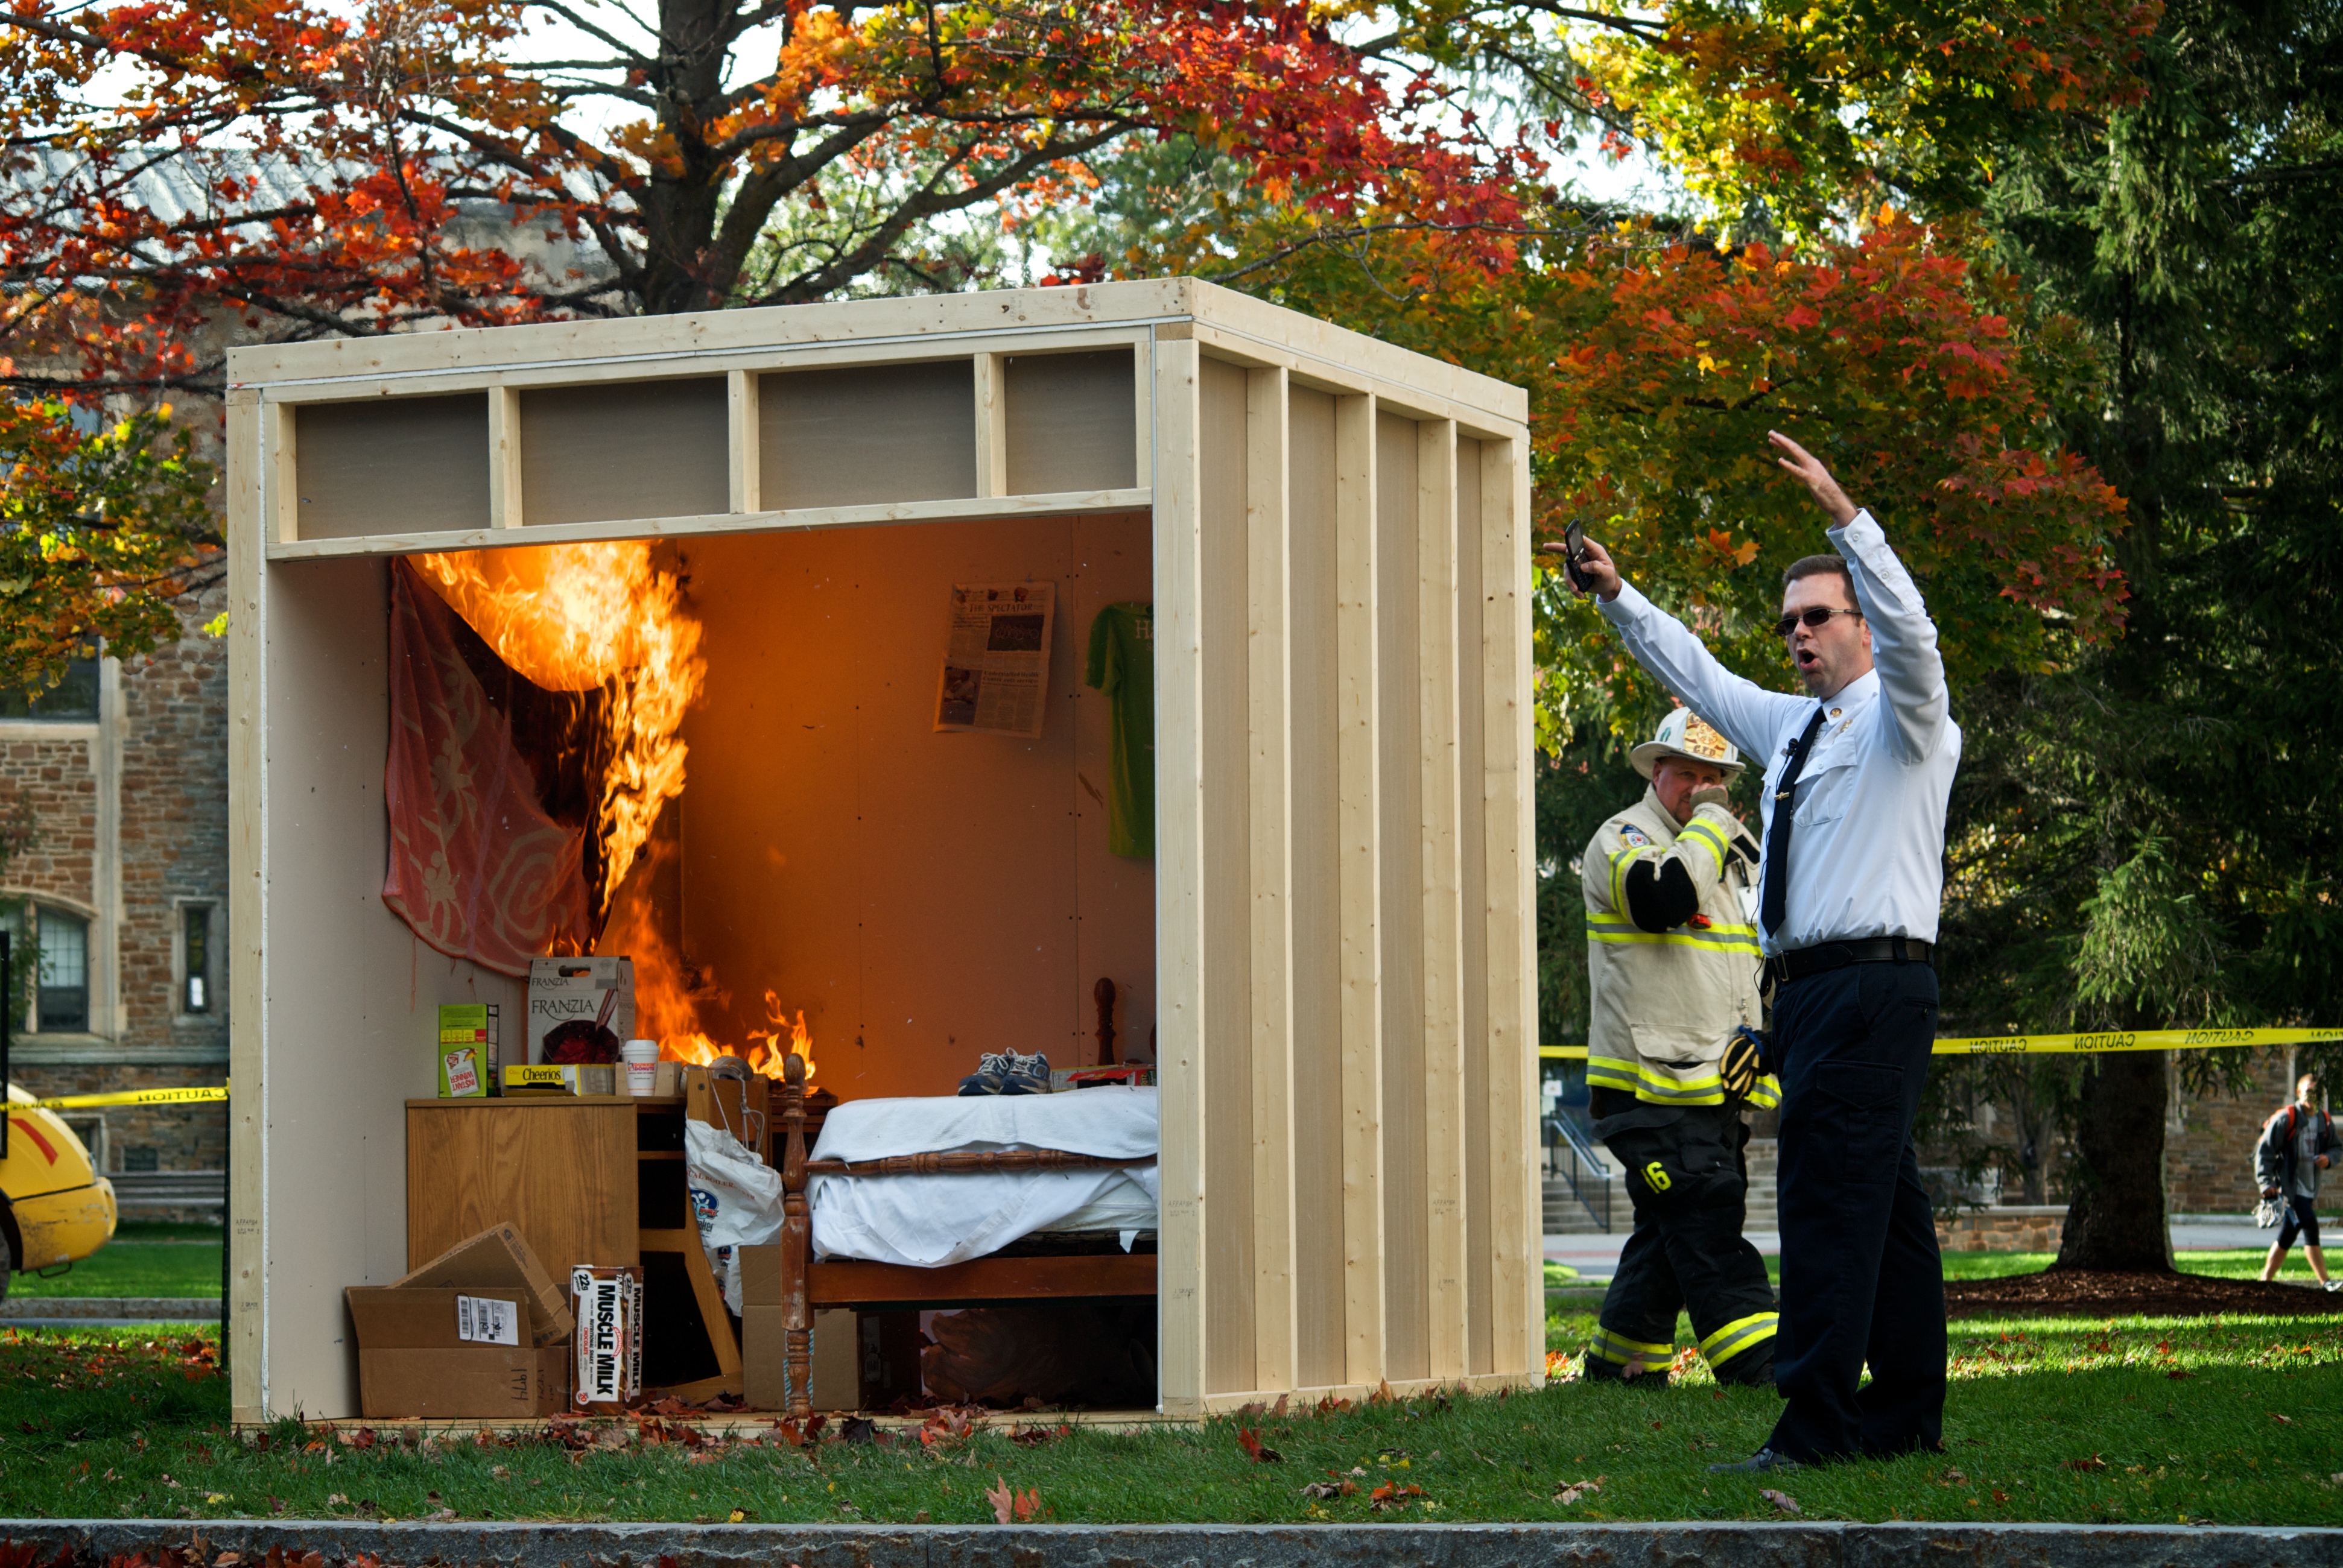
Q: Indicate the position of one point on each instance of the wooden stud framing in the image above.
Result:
(248, 425)
(281, 497)
(505, 499)
(1336, 642)
(1179, 858)
(1269, 690)
(1443, 914)
(1516, 1282)
(992, 425)
(743, 436)
(1356, 810)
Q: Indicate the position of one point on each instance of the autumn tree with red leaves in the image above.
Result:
(317, 170)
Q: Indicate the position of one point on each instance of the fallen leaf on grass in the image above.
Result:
(1782, 1500)
(738, 1516)
(2000, 1496)
(2094, 1462)
(1035, 1436)
(2176, 1375)
(1391, 1495)
(2282, 1420)
(1952, 1478)
(1331, 1489)
(860, 1429)
(1250, 1441)
(1006, 1504)
(1578, 1489)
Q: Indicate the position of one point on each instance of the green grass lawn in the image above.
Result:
(145, 1259)
(2153, 1420)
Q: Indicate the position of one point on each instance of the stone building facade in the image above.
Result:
(125, 766)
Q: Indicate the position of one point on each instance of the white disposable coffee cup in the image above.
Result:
(641, 1056)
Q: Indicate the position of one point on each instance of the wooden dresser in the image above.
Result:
(593, 1178)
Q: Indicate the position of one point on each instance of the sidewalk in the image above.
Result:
(1596, 1258)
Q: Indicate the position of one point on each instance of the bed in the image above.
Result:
(959, 1181)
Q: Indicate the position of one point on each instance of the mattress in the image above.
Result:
(927, 1221)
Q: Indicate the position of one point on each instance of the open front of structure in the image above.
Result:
(783, 653)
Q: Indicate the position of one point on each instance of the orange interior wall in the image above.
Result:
(923, 897)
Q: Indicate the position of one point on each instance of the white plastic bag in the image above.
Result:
(735, 1196)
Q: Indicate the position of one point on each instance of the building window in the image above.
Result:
(196, 969)
(53, 944)
(73, 700)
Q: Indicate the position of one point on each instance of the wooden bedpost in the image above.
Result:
(1102, 994)
(797, 1238)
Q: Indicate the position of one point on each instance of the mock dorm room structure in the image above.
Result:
(1329, 956)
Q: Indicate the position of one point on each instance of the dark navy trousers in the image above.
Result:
(1862, 1282)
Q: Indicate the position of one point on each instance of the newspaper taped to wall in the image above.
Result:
(996, 677)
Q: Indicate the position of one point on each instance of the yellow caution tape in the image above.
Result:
(2060, 1044)
(129, 1097)
(2132, 1039)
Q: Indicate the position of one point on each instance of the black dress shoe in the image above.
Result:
(1762, 1463)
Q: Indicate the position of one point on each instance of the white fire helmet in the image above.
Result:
(1683, 733)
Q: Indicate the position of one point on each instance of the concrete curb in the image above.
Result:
(115, 1309)
(90, 1544)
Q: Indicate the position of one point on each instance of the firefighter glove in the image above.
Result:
(1743, 1064)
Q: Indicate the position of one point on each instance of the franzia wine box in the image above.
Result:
(579, 1009)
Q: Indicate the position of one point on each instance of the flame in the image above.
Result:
(668, 999)
(576, 618)
(590, 616)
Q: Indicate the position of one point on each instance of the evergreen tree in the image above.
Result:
(2147, 837)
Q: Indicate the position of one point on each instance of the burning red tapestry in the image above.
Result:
(478, 867)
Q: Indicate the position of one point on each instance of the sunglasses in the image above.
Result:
(1818, 618)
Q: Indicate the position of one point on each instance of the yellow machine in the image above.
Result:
(54, 1207)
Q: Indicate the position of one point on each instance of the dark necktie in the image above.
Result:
(1776, 901)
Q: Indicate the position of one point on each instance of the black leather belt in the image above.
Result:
(1800, 962)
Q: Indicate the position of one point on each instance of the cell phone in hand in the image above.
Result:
(1574, 550)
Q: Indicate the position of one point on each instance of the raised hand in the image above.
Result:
(1817, 478)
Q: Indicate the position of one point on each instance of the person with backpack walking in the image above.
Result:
(2295, 1145)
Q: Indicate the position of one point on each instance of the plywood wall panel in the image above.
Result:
(867, 435)
(1228, 1089)
(924, 897)
(624, 449)
(1407, 1284)
(1072, 422)
(352, 993)
(1471, 816)
(390, 466)
(1316, 903)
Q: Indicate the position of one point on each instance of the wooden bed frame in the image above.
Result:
(806, 1285)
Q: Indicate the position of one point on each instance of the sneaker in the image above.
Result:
(992, 1070)
(1764, 1461)
(1026, 1074)
(1008, 1073)
(2335, 1284)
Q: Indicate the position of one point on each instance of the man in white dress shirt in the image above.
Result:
(1858, 774)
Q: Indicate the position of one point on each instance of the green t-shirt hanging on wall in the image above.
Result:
(1123, 666)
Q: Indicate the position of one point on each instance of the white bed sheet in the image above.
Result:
(927, 1221)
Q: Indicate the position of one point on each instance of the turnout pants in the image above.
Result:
(1686, 1254)
(1862, 1283)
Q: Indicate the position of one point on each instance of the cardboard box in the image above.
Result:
(584, 1078)
(498, 1259)
(415, 1358)
(761, 1275)
(764, 1361)
(470, 1050)
(599, 992)
(609, 1302)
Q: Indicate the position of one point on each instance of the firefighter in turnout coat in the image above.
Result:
(1672, 960)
